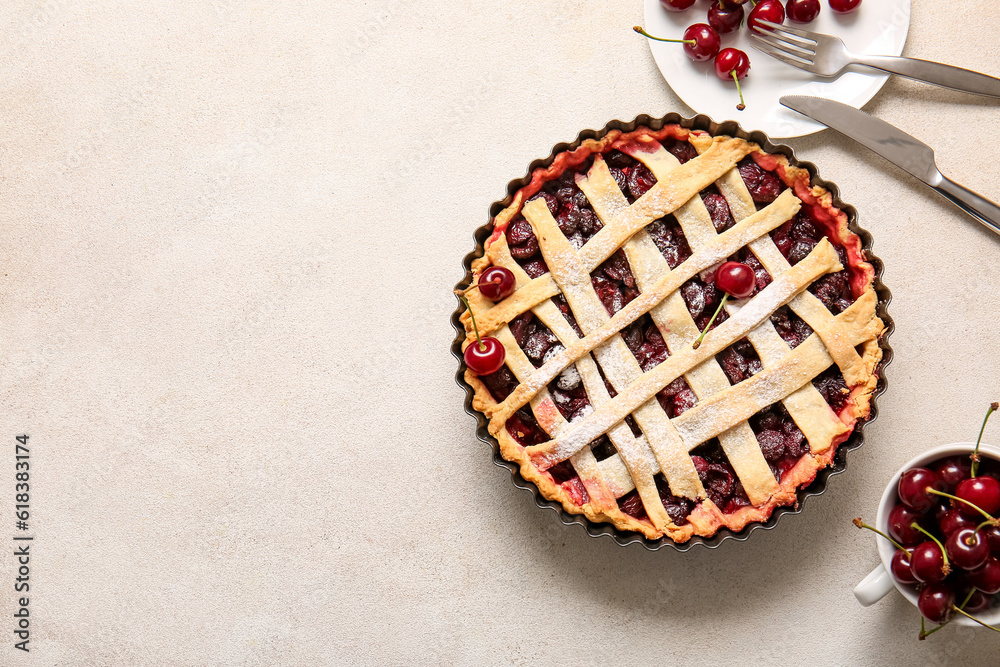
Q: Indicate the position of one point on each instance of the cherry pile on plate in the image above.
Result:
(947, 535)
(703, 41)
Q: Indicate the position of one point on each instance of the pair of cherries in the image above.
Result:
(702, 43)
(487, 354)
(950, 550)
(496, 283)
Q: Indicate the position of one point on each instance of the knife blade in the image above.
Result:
(906, 152)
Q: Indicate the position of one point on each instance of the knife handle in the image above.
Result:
(940, 74)
(971, 202)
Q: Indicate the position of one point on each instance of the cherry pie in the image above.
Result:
(603, 401)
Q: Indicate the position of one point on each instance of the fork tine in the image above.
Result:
(784, 57)
(797, 32)
(778, 42)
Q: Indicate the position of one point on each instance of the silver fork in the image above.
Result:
(827, 56)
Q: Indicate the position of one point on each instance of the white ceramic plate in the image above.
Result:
(878, 27)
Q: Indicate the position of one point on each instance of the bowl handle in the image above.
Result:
(874, 587)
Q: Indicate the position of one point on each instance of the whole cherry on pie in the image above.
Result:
(602, 400)
(734, 279)
(484, 355)
(497, 283)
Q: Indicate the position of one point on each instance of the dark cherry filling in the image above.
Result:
(614, 283)
(718, 209)
(792, 328)
(534, 338)
(764, 186)
(721, 484)
(739, 361)
(633, 178)
(669, 238)
(781, 441)
(646, 343)
(678, 508)
(831, 385)
(796, 239)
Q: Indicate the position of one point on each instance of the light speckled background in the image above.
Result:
(229, 233)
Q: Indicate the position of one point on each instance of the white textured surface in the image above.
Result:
(229, 234)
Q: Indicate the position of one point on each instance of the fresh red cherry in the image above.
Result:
(736, 279)
(952, 470)
(724, 18)
(766, 10)
(987, 577)
(912, 489)
(936, 602)
(706, 42)
(954, 520)
(676, 5)
(983, 492)
(977, 603)
(733, 64)
(927, 562)
(802, 11)
(729, 61)
(733, 278)
(700, 41)
(901, 568)
(900, 528)
(497, 283)
(992, 535)
(841, 6)
(967, 548)
(485, 356)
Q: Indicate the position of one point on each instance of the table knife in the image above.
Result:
(896, 146)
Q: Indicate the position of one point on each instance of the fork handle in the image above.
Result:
(939, 74)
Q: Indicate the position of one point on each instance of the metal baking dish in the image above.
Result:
(818, 486)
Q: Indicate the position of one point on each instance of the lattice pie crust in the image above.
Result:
(848, 339)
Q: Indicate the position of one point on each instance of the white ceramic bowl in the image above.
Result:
(879, 582)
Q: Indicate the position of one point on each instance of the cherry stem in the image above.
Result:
(741, 106)
(860, 524)
(476, 286)
(695, 345)
(642, 32)
(989, 519)
(975, 452)
(984, 524)
(474, 326)
(925, 635)
(946, 566)
(968, 615)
